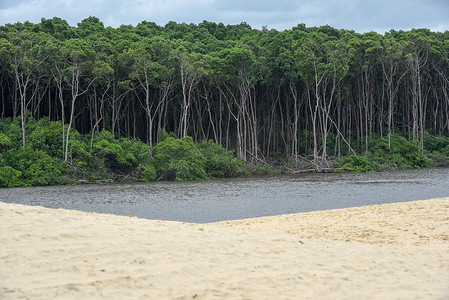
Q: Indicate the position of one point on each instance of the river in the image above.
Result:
(237, 198)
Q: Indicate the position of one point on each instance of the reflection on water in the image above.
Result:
(237, 198)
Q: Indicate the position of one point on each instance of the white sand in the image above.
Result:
(393, 251)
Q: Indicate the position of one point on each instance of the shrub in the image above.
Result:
(354, 163)
(113, 154)
(219, 162)
(435, 144)
(402, 153)
(10, 177)
(47, 136)
(259, 169)
(36, 166)
(445, 151)
(146, 172)
(5, 142)
(179, 159)
(163, 134)
(137, 148)
(13, 131)
(120, 154)
(438, 158)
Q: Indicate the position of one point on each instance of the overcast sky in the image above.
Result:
(359, 15)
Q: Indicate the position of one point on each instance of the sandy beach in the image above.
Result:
(391, 251)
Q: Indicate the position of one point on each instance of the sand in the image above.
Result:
(391, 251)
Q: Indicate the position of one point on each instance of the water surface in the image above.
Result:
(237, 198)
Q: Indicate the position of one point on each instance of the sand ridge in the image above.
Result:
(62, 254)
(409, 223)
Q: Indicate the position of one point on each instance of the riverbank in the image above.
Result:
(391, 251)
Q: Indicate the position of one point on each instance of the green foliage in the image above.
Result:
(137, 149)
(259, 169)
(435, 144)
(260, 90)
(146, 172)
(179, 159)
(439, 158)
(163, 134)
(119, 154)
(219, 162)
(79, 148)
(36, 166)
(47, 136)
(113, 154)
(11, 131)
(109, 158)
(10, 177)
(356, 164)
(445, 151)
(402, 153)
(5, 142)
(40, 163)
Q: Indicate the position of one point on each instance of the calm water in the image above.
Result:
(209, 201)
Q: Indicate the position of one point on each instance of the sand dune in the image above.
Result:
(392, 251)
(424, 222)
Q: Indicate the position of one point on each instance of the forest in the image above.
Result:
(121, 99)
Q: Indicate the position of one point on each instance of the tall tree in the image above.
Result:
(26, 54)
(150, 75)
(392, 57)
(417, 58)
(192, 67)
(79, 71)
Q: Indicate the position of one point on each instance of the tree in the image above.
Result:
(150, 75)
(417, 57)
(192, 66)
(78, 63)
(391, 60)
(240, 69)
(25, 53)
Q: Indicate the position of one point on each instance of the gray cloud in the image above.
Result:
(362, 16)
(255, 6)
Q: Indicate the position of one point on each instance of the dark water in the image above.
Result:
(209, 201)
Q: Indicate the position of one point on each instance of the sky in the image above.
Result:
(359, 15)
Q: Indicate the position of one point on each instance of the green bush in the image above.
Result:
(355, 163)
(179, 159)
(5, 142)
(219, 162)
(113, 154)
(137, 149)
(47, 136)
(438, 158)
(435, 144)
(36, 166)
(445, 151)
(163, 134)
(12, 130)
(119, 155)
(146, 172)
(10, 177)
(402, 153)
(259, 169)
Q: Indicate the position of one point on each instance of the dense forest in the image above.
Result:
(306, 94)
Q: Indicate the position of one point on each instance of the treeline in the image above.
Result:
(304, 93)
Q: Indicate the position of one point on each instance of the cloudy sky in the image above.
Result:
(359, 15)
